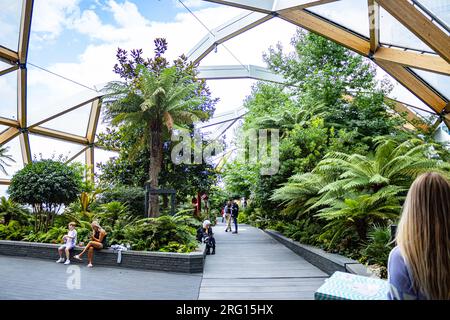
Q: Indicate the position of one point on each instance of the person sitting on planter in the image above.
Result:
(419, 266)
(70, 239)
(98, 242)
(206, 235)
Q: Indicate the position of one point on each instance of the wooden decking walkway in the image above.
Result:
(248, 265)
(252, 265)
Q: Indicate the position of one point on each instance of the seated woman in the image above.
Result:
(205, 234)
(419, 267)
(98, 242)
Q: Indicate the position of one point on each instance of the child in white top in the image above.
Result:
(70, 239)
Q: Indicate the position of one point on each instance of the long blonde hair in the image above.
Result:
(423, 235)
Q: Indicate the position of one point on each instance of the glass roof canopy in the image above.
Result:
(409, 39)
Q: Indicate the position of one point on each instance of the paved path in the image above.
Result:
(35, 279)
(248, 265)
(252, 265)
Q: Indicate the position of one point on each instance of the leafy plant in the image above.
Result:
(378, 246)
(13, 231)
(4, 159)
(133, 197)
(156, 233)
(155, 98)
(46, 185)
(9, 210)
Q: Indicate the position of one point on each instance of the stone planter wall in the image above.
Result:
(325, 261)
(162, 261)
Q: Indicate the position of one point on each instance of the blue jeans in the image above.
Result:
(235, 224)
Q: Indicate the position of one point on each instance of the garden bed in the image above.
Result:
(162, 261)
(325, 261)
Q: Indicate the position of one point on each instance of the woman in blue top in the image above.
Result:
(419, 267)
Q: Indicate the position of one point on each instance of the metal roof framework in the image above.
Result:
(395, 60)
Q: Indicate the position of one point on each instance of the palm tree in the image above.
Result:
(290, 118)
(393, 164)
(356, 212)
(3, 157)
(351, 191)
(299, 193)
(10, 210)
(157, 102)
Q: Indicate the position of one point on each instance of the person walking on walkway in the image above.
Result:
(98, 242)
(227, 211)
(234, 215)
(419, 266)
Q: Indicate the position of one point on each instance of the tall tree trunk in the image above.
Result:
(35, 219)
(156, 153)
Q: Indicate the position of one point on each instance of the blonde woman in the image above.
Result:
(419, 267)
(98, 242)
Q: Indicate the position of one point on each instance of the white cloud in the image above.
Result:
(50, 17)
(127, 14)
(9, 23)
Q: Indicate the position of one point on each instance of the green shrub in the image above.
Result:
(156, 233)
(10, 210)
(378, 246)
(243, 216)
(304, 230)
(133, 197)
(278, 226)
(13, 231)
(259, 218)
(53, 235)
(180, 248)
(46, 185)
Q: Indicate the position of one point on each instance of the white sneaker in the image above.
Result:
(60, 260)
(90, 265)
(67, 261)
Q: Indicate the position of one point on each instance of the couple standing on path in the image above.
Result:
(231, 211)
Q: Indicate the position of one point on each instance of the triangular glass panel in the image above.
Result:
(10, 14)
(4, 66)
(3, 192)
(102, 156)
(49, 94)
(439, 8)
(351, 14)
(392, 32)
(200, 38)
(50, 148)
(8, 94)
(75, 121)
(14, 165)
(404, 95)
(439, 82)
(244, 49)
(101, 126)
(81, 158)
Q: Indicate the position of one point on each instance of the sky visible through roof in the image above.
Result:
(78, 39)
